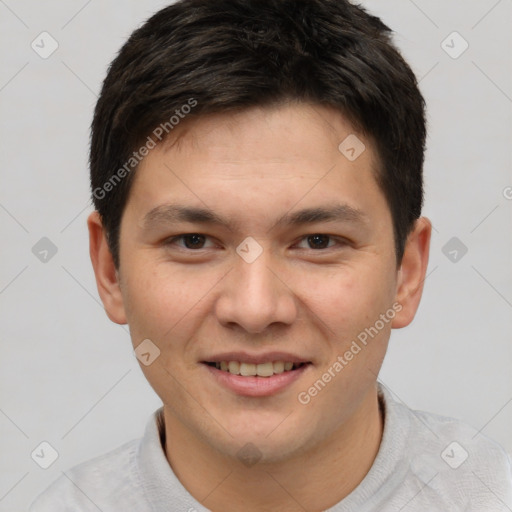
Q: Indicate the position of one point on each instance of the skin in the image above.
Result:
(255, 166)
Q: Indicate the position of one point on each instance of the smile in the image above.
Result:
(267, 369)
(255, 379)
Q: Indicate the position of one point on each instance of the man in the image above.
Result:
(256, 169)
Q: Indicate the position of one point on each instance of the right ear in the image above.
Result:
(107, 278)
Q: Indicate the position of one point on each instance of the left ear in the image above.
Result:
(411, 275)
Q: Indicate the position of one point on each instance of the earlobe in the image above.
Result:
(107, 279)
(412, 272)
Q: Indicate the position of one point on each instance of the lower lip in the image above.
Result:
(256, 386)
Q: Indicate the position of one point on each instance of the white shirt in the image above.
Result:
(425, 463)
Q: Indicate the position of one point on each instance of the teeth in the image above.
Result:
(247, 369)
(278, 367)
(250, 369)
(234, 367)
(265, 369)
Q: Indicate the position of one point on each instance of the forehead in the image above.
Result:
(281, 132)
(285, 155)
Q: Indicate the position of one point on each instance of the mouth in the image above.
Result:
(265, 370)
(256, 378)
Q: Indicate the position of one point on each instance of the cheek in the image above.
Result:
(164, 302)
(348, 299)
(350, 303)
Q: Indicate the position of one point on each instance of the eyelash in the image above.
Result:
(341, 241)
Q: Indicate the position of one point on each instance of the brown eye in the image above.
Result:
(190, 241)
(194, 240)
(319, 241)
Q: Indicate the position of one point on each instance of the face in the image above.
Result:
(256, 240)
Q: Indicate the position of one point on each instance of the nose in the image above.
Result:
(256, 295)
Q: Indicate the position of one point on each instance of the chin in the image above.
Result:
(254, 452)
(250, 447)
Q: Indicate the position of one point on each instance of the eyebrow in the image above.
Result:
(174, 213)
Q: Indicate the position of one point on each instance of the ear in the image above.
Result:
(107, 278)
(411, 275)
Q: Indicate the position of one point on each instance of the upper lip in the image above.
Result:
(245, 357)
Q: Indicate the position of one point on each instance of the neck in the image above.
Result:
(314, 480)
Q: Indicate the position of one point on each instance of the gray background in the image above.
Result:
(68, 375)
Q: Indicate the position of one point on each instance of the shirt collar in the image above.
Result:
(161, 486)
